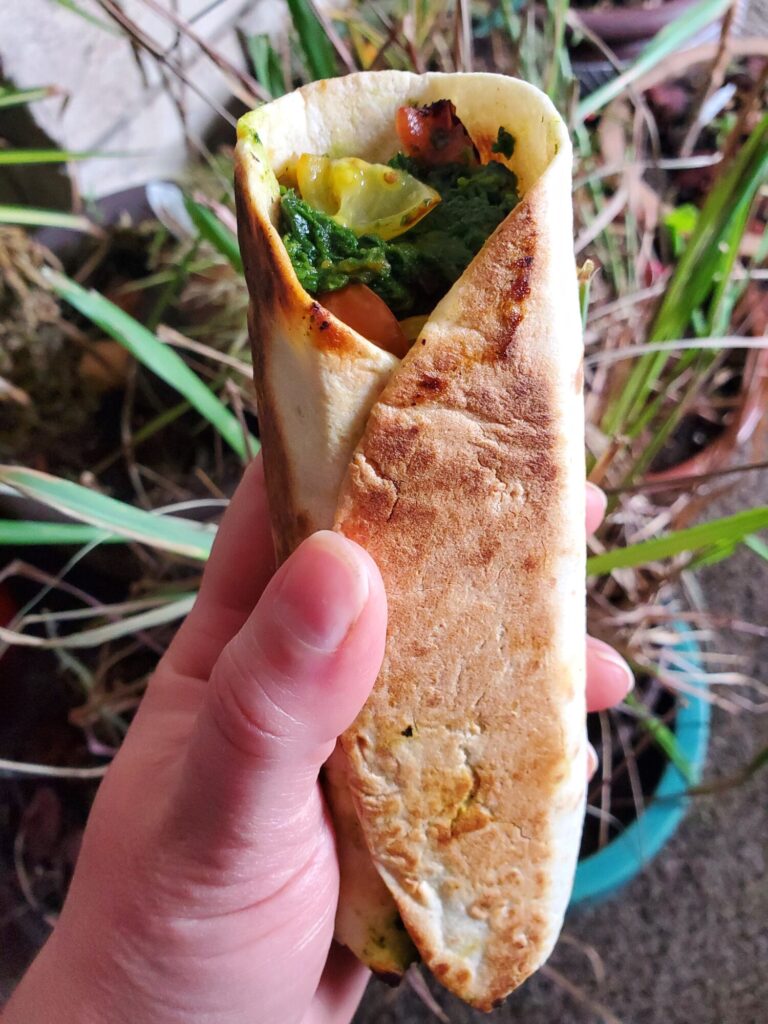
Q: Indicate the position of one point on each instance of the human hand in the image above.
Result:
(206, 888)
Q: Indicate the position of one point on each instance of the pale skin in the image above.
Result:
(206, 888)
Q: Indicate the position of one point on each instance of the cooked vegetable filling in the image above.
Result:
(408, 229)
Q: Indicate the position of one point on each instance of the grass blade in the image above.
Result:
(710, 253)
(557, 11)
(758, 546)
(52, 156)
(169, 533)
(215, 232)
(719, 313)
(12, 97)
(671, 39)
(22, 533)
(696, 538)
(663, 737)
(28, 216)
(97, 611)
(585, 275)
(728, 201)
(316, 47)
(98, 635)
(159, 358)
(266, 64)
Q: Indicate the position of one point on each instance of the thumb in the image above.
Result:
(290, 681)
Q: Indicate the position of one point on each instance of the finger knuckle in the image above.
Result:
(245, 704)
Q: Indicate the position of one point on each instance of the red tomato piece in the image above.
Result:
(362, 310)
(434, 134)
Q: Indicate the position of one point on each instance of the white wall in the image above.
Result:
(115, 100)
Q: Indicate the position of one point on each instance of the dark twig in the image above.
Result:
(140, 38)
(243, 85)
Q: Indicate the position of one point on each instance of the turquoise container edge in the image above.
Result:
(601, 874)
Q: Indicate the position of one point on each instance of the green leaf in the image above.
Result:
(671, 39)
(52, 156)
(711, 556)
(318, 51)
(215, 232)
(159, 358)
(30, 217)
(718, 311)
(695, 538)
(758, 546)
(681, 222)
(12, 97)
(169, 533)
(727, 202)
(585, 274)
(555, 42)
(700, 275)
(266, 64)
(21, 532)
(662, 736)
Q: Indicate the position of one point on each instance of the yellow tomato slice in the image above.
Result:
(314, 181)
(370, 199)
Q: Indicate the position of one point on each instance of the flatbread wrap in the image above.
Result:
(407, 242)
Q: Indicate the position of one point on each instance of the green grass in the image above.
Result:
(168, 533)
(730, 530)
(215, 232)
(663, 736)
(266, 64)
(699, 283)
(163, 361)
(19, 157)
(317, 50)
(27, 216)
(670, 40)
(12, 97)
(25, 533)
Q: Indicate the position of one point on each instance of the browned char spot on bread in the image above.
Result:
(328, 333)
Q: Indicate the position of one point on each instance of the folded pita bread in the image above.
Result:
(458, 793)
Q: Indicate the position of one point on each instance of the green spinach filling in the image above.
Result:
(410, 272)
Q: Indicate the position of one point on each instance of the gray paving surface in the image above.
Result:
(687, 941)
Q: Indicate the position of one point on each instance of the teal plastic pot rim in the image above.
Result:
(625, 856)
